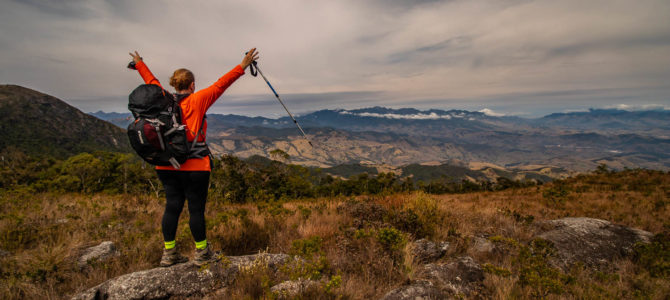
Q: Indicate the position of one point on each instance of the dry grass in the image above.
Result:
(45, 233)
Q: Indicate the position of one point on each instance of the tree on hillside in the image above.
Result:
(228, 179)
(279, 155)
(87, 168)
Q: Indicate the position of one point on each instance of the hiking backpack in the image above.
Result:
(157, 134)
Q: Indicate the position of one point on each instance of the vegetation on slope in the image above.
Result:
(39, 124)
(233, 180)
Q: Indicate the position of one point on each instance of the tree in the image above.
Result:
(87, 168)
(279, 155)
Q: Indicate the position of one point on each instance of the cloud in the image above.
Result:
(491, 113)
(501, 55)
(634, 107)
(418, 116)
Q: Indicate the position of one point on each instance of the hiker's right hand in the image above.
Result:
(136, 57)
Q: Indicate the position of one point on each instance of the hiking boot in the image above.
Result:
(172, 257)
(205, 256)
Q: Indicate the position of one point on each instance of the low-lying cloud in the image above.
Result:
(419, 116)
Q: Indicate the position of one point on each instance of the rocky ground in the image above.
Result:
(592, 242)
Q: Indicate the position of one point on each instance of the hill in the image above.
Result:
(650, 122)
(37, 124)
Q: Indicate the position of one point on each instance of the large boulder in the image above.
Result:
(461, 277)
(425, 251)
(593, 242)
(482, 245)
(290, 289)
(420, 290)
(181, 280)
(101, 252)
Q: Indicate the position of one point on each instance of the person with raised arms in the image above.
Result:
(191, 180)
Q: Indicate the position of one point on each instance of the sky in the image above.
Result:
(509, 57)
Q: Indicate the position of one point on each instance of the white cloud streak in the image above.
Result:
(419, 116)
(491, 113)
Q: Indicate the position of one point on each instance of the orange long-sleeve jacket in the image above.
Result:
(193, 108)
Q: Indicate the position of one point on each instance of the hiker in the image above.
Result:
(191, 180)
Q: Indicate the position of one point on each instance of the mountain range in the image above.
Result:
(452, 143)
(378, 136)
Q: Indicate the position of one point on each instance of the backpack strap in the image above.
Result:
(196, 150)
(199, 150)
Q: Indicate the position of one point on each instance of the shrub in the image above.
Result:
(556, 194)
(499, 271)
(334, 283)
(307, 247)
(655, 256)
(391, 238)
(535, 271)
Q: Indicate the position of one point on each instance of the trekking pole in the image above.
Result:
(254, 70)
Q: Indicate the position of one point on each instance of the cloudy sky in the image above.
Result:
(524, 58)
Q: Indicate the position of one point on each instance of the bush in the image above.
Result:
(307, 247)
(556, 195)
(499, 271)
(391, 238)
(655, 256)
(535, 271)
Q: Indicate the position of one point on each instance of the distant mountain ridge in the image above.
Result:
(36, 123)
(577, 141)
(651, 122)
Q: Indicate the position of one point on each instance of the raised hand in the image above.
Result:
(251, 56)
(136, 57)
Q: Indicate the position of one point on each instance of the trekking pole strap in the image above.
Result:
(253, 69)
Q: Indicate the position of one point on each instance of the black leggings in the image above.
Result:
(179, 186)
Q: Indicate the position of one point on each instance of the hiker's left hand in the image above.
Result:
(251, 56)
(136, 57)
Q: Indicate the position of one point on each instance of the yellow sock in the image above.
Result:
(201, 244)
(169, 245)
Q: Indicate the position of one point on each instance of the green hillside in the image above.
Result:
(38, 124)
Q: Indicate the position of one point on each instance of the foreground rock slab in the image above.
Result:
(593, 242)
(182, 280)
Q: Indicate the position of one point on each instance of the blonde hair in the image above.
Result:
(181, 79)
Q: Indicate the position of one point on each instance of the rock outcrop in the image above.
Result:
(181, 280)
(462, 276)
(425, 251)
(482, 245)
(593, 242)
(101, 252)
(290, 289)
(420, 290)
(439, 281)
